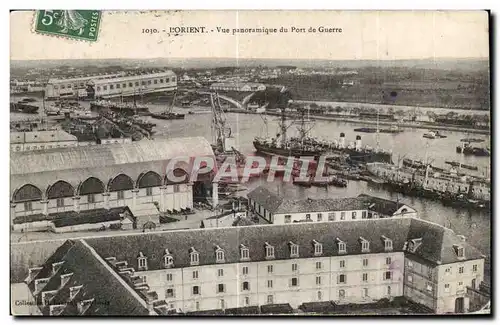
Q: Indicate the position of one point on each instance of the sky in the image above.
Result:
(366, 35)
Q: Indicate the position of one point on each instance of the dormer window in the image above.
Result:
(194, 256)
(318, 248)
(168, 260)
(459, 251)
(414, 244)
(65, 278)
(294, 250)
(56, 267)
(244, 253)
(341, 246)
(269, 251)
(73, 291)
(142, 262)
(387, 244)
(219, 254)
(365, 245)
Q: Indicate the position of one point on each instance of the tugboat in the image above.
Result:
(168, 114)
(434, 135)
(468, 150)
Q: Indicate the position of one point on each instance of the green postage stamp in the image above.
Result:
(77, 24)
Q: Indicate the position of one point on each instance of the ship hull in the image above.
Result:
(128, 111)
(168, 116)
(270, 150)
(24, 108)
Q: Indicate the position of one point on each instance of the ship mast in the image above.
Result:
(171, 107)
(283, 128)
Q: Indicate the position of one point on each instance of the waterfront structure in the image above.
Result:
(132, 175)
(434, 180)
(72, 87)
(237, 86)
(130, 85)
(279, 209)
(41, 140)
(221, 268)
(111, 85)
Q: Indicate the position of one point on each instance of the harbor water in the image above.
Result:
(474, 224)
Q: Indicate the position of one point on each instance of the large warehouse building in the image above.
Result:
(111, 85)
(98, 178)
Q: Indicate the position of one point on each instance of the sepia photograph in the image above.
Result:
(250, 163)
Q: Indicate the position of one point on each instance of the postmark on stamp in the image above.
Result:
(77, 24)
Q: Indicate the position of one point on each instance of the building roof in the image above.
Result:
(134, 77)
(436, 247)
(110, 296)
(382, 206)
(76, 164)
(277, 204)
(41, 136)
(266, 198)
(80, 78)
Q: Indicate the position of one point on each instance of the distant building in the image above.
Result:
(238, 86)
(279, 209)
(133, 84)
(70, 87)
(41, 140)
(111, 85)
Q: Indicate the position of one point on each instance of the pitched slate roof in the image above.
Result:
(110, 297)
(399, 230)
(379, 205)
(277, 204)
(266, 198)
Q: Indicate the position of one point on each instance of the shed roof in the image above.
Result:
(75, 164)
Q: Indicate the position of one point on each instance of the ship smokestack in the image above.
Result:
(358, 142)
(342, 140)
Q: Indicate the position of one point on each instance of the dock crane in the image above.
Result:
(220, 132)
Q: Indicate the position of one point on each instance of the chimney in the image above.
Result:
(358, 142)
(342, 140)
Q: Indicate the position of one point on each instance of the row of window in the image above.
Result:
(118, 85)
(245, 255)
(270, 269)
(28, 206)
(294, 281)
(342, 294)
(332, 216)
(50, 146)
(135, 84)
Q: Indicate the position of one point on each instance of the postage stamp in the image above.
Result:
(77, 24)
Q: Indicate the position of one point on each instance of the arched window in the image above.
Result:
(149, 179)
(91, 185)
(60, 189)
(121, 182)
(27, 192)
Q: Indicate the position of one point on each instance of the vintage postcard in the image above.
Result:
(186, 163)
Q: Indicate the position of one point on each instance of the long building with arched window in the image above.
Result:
(132, 175)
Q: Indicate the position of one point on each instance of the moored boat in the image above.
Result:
(167, 116)
(460, 165)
